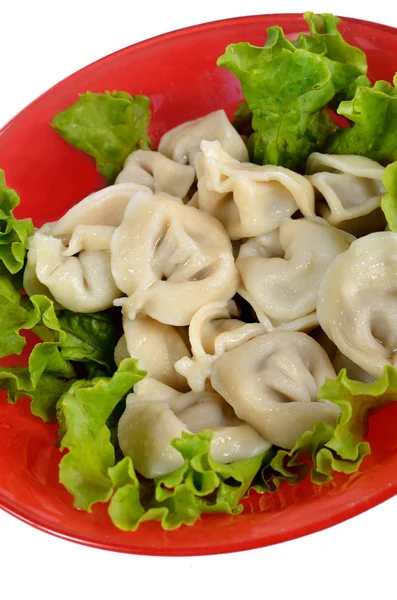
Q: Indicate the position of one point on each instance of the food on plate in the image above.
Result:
(220, 317)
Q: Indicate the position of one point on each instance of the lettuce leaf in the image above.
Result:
(347, 64)
(287, 91)
(48, 373)
(106, 126)
(90, 337)
(200, 486)
(86, 338)
(373, 133)
(389, 200)
(82, 413)
(13, 317)
(14, 234)
(326, 448)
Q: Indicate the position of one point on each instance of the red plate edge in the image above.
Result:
(185, 31)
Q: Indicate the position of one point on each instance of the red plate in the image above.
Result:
(178, 71)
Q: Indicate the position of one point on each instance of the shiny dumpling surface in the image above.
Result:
(157, 347)
(357, 302)
(249, 200)
(348, 189)
(81, 282)
(272, 383)
(170, 259)
(105, 207)
(158, 172)
(156, 414)
(183, 142)
(283, 289)
(213, 331)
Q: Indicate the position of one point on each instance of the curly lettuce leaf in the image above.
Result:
(106, 126)
(347, 64)
(373, 130)
(389, 200)
(90, 337)
(287, 90)
(13, 317)
(14, 234)
(82, 412)
(327, 449)
(86, 338)
(199, 486)
(48, 373)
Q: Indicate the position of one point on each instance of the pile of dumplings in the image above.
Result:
(190, 234)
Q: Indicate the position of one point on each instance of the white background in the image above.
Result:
(41, 43)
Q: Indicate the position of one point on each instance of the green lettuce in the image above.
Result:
(287, 90)
(14, 317)
(48, 373)
(199, 486)
(347, 64)
(327, 449)
(90, 338)
(14, 234)
(106, 126)
(82, 413)
(373, 130)
(68, 338)
(389, 200)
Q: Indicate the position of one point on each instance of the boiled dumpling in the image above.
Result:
(93, 238)
(82, 283)
(156, 414)
(357, 302)
(268, 245)
(212, 332)
(272, 383)
(183, 142)
(105, 207)
(283, 290)
(349, 190)
(157, 172)
(157, 347)
(249, 200)
(170, 259)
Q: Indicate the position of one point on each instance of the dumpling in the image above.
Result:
(82, 283)
(268, 245)
(90, 237)
(212, 332)
(157, 172)
(157, 347)
(283, 289)
(31, 283)
(170, 260)
(156, 414)
(105, 207)
(183, 142)
(272, 383)
(349, 190)
(249, 200)
(357, 302)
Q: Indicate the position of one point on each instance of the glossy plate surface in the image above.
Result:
(178, 71)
